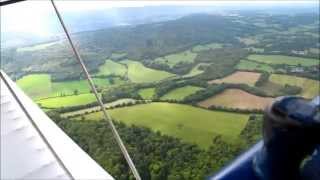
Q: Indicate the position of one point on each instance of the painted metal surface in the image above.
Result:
(34, 147)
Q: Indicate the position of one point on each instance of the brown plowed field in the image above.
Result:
(239, 77)
(236, 98)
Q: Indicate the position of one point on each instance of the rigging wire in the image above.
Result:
(107, 117)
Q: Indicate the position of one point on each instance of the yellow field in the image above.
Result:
(239, 77)
(236, 98)
(310, 88)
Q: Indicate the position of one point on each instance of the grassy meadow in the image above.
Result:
(180, 93)
(147, 93)
(138, 73)
(66, 101)
(95, 108)
(280, 59)
(117, 55)
(256, 50)
(254, 66)
(112, 68)
(206, 47)
(173, 59)
(196, 70)
(248, 40)
(191, 124)
(39, 86)
(36, 85)
(36, 47)
(310, 88)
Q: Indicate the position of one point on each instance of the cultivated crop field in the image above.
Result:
(180, 93)
(138, 73)
(188, 123)
(173, 59)
(280, 59)
(310, 88)
(236, 98)
(238, 77)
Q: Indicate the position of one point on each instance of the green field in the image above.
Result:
(256, 50)
(205, 47)
(36, 85)
(138, 73)
(36, 47)
(173, 59)
(112, 68)
(196, 70)
(68, 87)
(188, 123)
(254, 66)
(279, 59)
(248, 40)
(314, 51)
(180, 93)
(98, 108)
(117, 55)
(310, 88)
(147, 93)
(66, 101)
(39, 86)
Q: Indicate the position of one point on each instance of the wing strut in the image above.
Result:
(107, 117)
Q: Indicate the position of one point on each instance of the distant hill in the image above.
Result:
(146, 42)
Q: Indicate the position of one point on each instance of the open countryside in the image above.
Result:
(279, 59)
(180, 93)
(194, 87)
(182, 121)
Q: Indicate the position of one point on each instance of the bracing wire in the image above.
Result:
(107, 117)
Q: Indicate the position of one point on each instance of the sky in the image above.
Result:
(31, 16)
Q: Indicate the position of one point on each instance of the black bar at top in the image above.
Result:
(7, 2)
